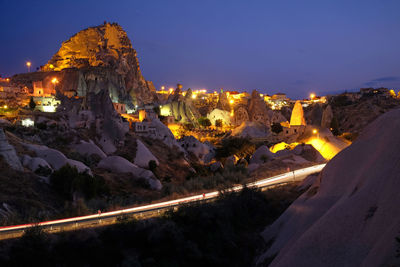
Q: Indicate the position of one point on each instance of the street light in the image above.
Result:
(28, 64)
(315, 131)
(312, 96)
(54, 81)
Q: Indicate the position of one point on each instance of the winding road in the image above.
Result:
(151, 210)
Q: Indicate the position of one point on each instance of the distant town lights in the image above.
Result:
(54, 80)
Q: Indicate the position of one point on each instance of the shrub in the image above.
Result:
(32, 104)
(238, 146)
(218, 123)
(205, 122)
(276, 127)
(152, 165)
(67, 180)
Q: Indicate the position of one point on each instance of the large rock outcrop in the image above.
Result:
(120, 165)
(327, 117)
(257, 109)
(223, 102)
(101, 57)
(350, 216)
(181, 107)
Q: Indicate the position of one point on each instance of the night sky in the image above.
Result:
(294, 47)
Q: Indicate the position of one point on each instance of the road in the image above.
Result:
(150, 210)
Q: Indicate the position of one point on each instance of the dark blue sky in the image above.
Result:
(287, 46)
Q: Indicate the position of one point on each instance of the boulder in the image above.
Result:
(200, 150)
(219, 114)
(251, 130)
(57, 159)
(143, 155)
(327, 117)
(7, 152)
(88, 149)
(34, 163)
(261, 155)
(120, 165)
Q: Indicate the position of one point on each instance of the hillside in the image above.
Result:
(350, 216)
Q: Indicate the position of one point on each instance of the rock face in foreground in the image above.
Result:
(350, 216)
(107, 59)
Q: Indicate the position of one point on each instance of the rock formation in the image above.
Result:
(218, 114)
(200, 150)
(7, 152)
(143, 156)
(99, 58)
(181, 107)
(257, 109)
(350, 215)
(251, 130)
(223, 102)
(297, 117)
(118, 164)
(240, 115)
(327, 117)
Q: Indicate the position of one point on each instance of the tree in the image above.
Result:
(205, 122)
(32, 104)
(218, 123)
(276, 127)
(335, 126)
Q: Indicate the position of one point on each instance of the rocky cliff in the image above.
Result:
(102, 57)
(350, 215)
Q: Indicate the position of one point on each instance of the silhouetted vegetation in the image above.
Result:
(220, 233)
(205, 122)
(276, 127)
(218, 123)
(32, 104)
(67, 181)
(238, 146)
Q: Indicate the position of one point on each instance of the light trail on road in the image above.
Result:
(292, 176)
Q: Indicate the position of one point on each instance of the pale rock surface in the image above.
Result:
(88, 148)
(219, 114)
(327, 117)
(7, 152)
(56, 159)
(34, 163)
(350, 216)
(200, 150)
(251, 130)
(223, 102)
(276, 116)
(261, 155)
(143, 155)
(5, 122)
(120, 165)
